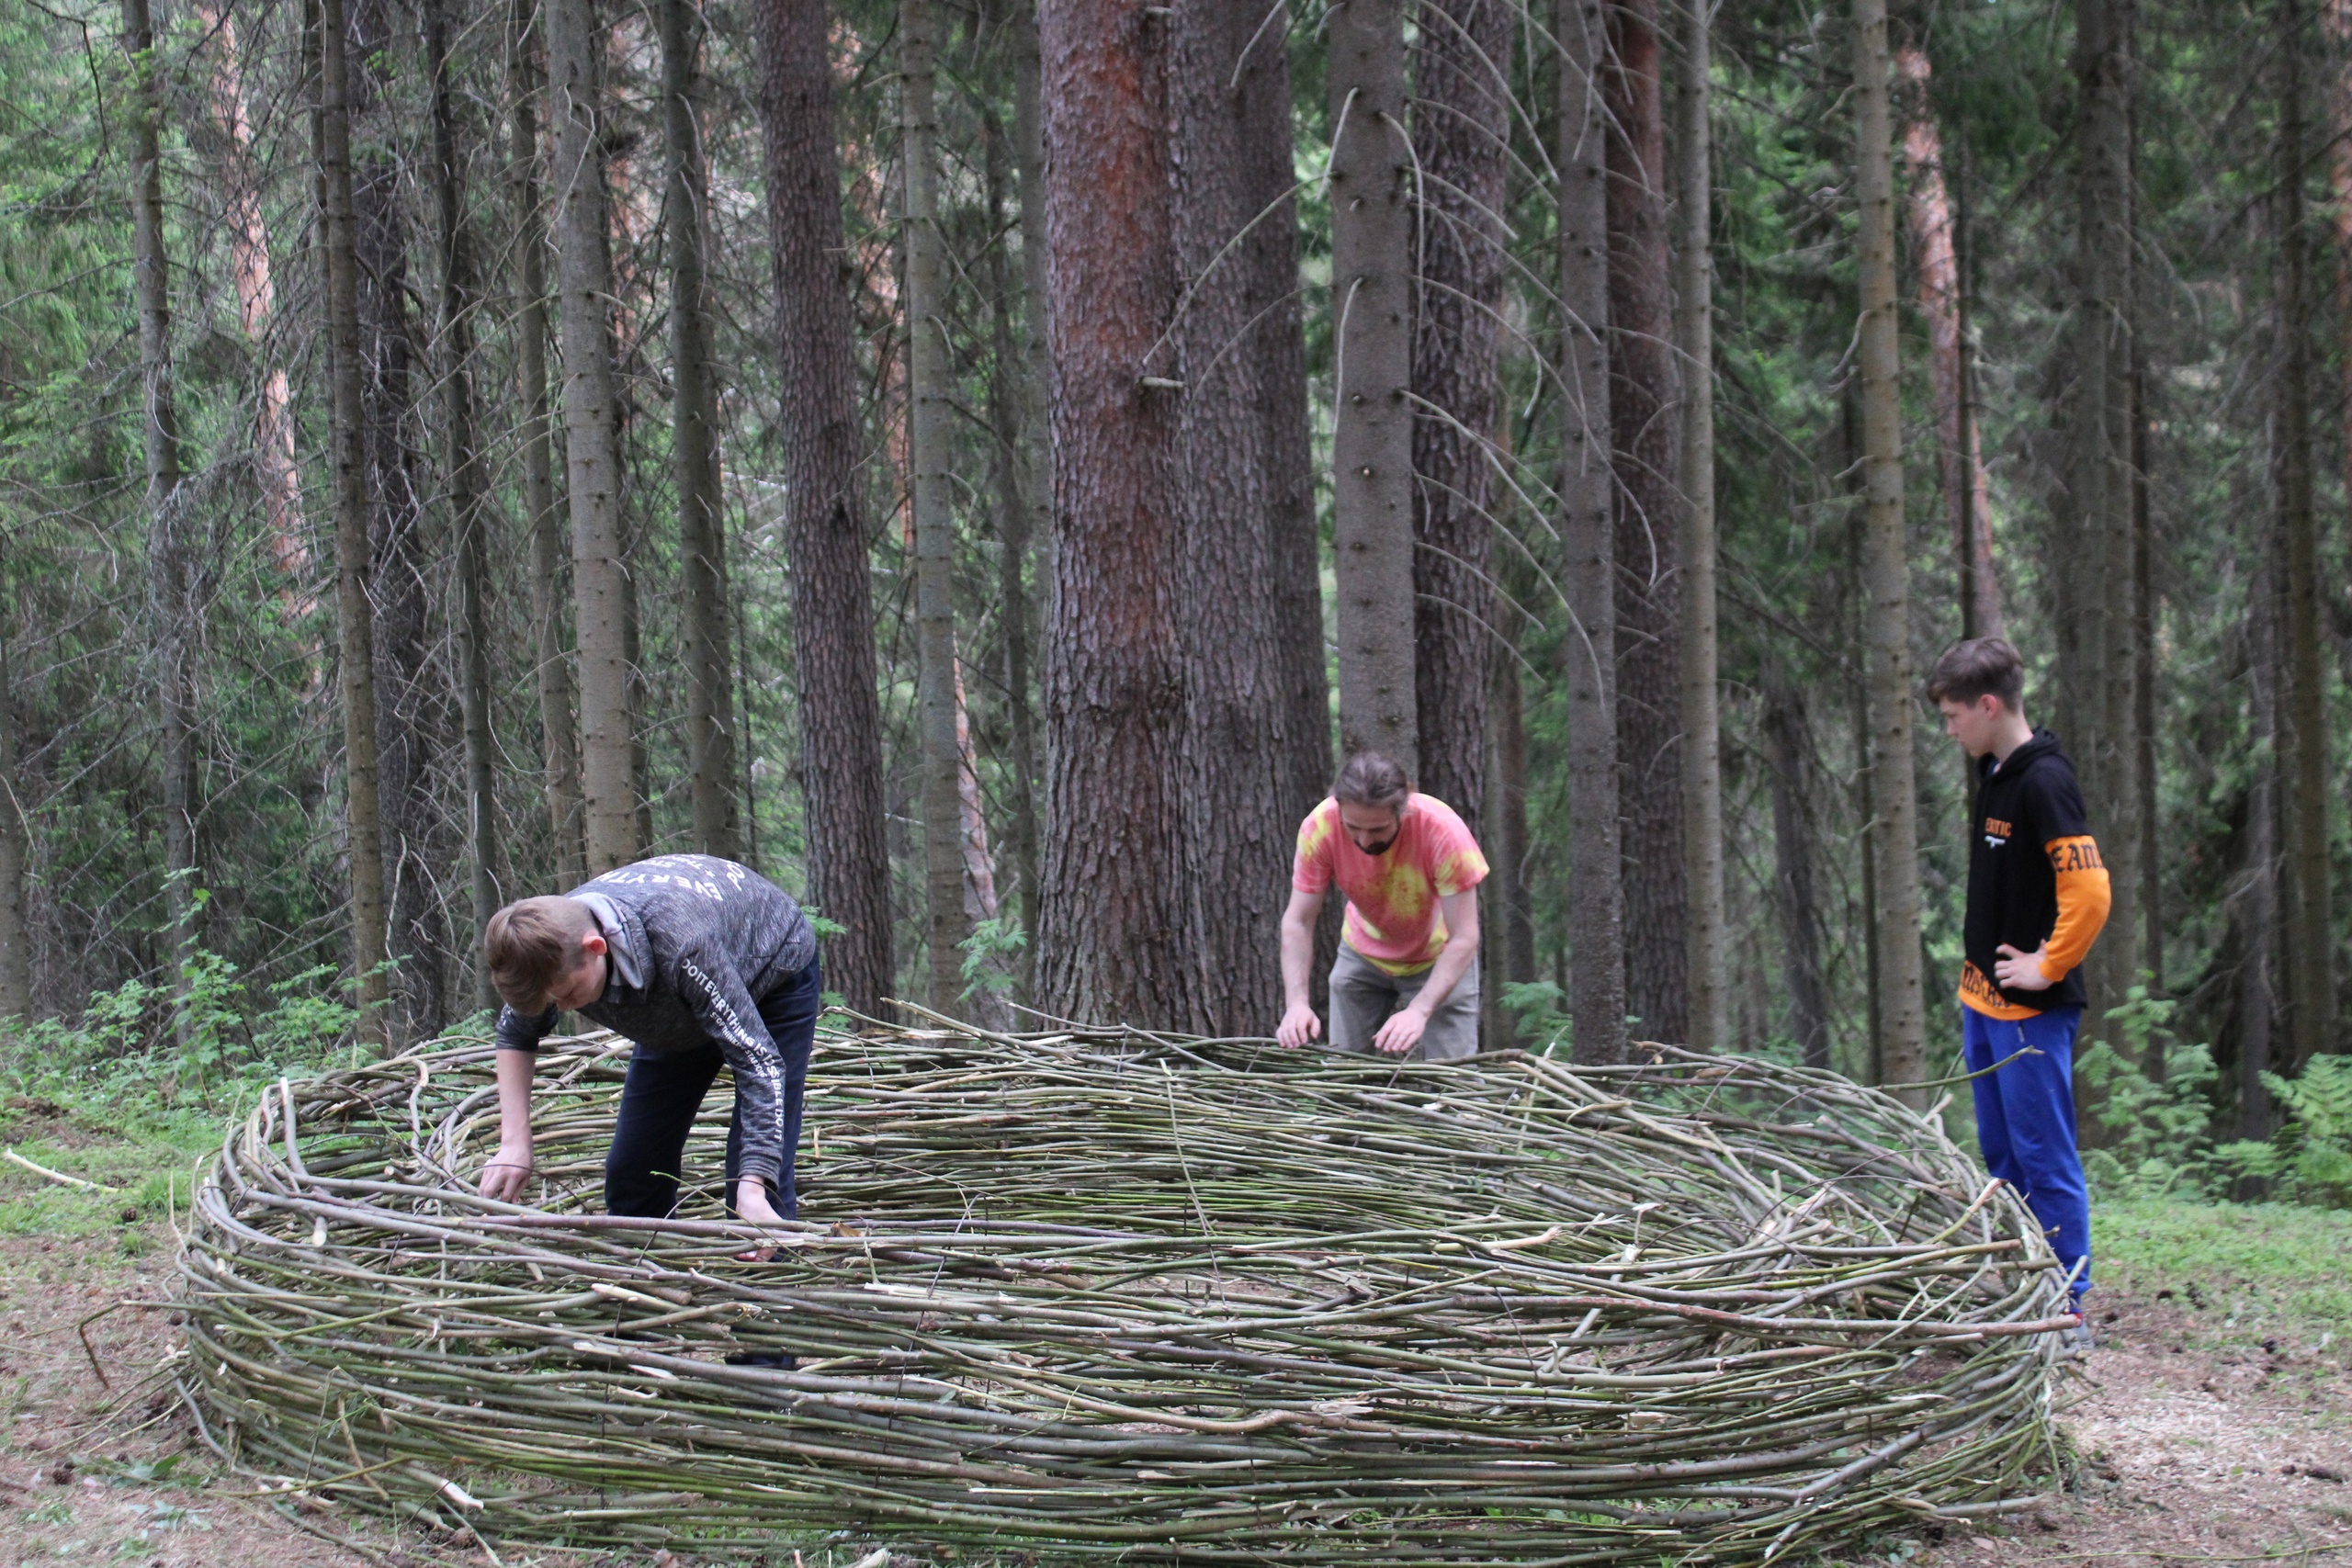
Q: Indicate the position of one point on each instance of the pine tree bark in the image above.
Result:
(559, 738)
(1461, 91)
(1588, 502)
(1508, 954)
(354, 610)
(1649, 589)
(1374, 199)
(1702, 780)
(1787, 748)
(2302, 690)
(693, 452)
(1238, 813)
(468, 489)
(2257, 896)
(171, 602)
(591, 425)
(832, 609)
(15, 930)
(1111, 933)
(930, 392)
(1886, 571)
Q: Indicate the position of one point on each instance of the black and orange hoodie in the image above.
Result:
(2033, 873)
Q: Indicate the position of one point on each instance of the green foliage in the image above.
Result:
(2310, 1160)
(987, 955)
(2159, 1127)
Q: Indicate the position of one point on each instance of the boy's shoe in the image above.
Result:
(2076, 1339)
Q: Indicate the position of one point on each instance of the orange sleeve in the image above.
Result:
(2084, 898)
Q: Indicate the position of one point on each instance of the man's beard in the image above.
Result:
(1380, 848)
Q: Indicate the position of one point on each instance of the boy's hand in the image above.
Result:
(2021, 971)
(508, 1170)
(751, 1205)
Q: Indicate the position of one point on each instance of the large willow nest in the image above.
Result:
(1099, 1295)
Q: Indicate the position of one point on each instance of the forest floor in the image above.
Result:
(2213, 1423)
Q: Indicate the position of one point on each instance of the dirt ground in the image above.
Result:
(2197, 1443)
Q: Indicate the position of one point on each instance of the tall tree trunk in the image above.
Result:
(171, 601)
(931, 393)
(1588, 500)
(1943, 302)
(832, 607)
(1461, 91)
(2143, 657)
(1886, 573)
(15, 930)
(590, 423)
(355, 608)
(1374, 199)
(1238, 816)
(2257, 894)
(693, 452)
(468, 488)
(1787, 748)
(1111, 941)
(1507, 956)
(1703, 776)
(560, 740)
(1649, 589)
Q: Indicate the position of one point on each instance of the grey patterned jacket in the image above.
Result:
(693, 943)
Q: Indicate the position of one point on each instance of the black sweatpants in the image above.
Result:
(665, 1088)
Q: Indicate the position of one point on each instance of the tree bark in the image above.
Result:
(931, 394)
(1886, 574)
(355, 611)
(15, 930)
(832, 610)
(1373, 197)
(1649, 589)
(1703, 779)
(171, 602)
(694, 451)
(1111, 933)
(560, 740)
(1787, 748)
(2257, 894)
(2303, 691)
(1507, 956)
(1588, 500)
(1461, 91)
(591, 448)
(468, 488)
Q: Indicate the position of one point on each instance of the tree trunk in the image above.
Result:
(832, 609)
(1703, 778)
(2303, 691)
(694, 451)
(1588, 500)
(576, 42)
(15, 930)
(2144, 656)
(1111, 933)
(1886, 573)
(1507, 956)
(1787, 748)
(931, 393)
(171, 606)
(1936, 258)
(1649, 589)
(355, 612)
(1240, 817)
(560, 742)
(1374, 199)
(1461, 91)
(469, 485)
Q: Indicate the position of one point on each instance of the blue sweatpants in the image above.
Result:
(2025, 1122)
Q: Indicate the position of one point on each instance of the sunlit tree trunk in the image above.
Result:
(1887, 570)
(1587, 535)
(832, 610)
(1372, 203)
(1702, 783)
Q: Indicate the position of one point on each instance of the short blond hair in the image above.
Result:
(531, 944)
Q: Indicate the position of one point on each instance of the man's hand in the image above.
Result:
(506, 1174)
(2021, 971)
(1299, 1025)
(1402, 1032)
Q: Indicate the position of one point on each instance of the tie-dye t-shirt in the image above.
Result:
(1394, 918)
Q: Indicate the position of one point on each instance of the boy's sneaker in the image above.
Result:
(2077, 1339)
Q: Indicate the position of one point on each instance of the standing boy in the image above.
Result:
(2037, 897)
(1406, 979)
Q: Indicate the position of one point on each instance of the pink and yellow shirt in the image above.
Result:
(1394, 918)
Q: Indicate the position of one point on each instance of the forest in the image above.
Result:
(983, 464)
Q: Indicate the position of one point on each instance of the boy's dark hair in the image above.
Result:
(1372, 780)
(1981, 667)
(531, 944)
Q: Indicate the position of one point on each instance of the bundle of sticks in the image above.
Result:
(1116, 1293)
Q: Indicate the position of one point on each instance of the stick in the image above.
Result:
(15, 1159)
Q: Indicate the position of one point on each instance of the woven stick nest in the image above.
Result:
(1113, 1294)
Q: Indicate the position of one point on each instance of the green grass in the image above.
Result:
(2286, 1265)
